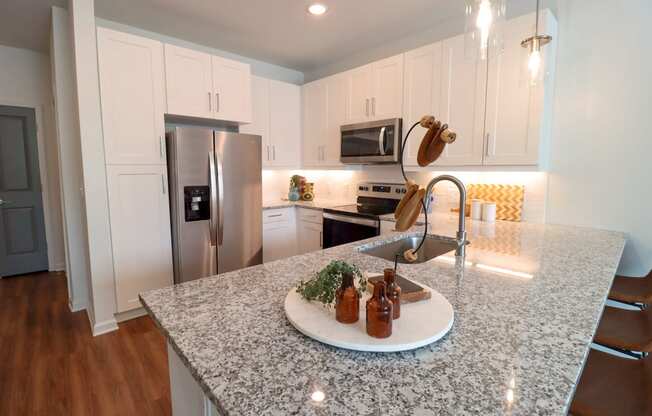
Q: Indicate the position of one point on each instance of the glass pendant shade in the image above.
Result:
(484, 26)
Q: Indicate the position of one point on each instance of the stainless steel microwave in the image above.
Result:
(371, 142)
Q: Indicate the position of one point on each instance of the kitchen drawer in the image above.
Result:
(278, 215)
(311, 215)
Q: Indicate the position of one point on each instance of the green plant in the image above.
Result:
(322, 287)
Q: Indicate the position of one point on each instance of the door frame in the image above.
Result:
(43, 174)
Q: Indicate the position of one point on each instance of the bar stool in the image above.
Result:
(612, 385)
(625, 330)
(632, 290)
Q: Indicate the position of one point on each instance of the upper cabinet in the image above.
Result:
(277, 119)
(518, 113)
(201, 85)
(133, 105)
(376, 90)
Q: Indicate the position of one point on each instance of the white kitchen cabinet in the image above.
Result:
(231, 90)
(518, 113)
(309, 230)
(201, 85)
(277, 119)
(315, 121)
(337, 87)
(387, 227)
(422, 94)
(189, 82)
(132, 91)
(376, 90)
(140, 231)
(279, 234)
(462, 104)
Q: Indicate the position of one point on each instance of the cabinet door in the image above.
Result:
(463, 93)
(279, 241)
(387, 97)
(310, 237)
(140, 231)
(133, 98)
(515, 108)
(285, 124)
(361, 80)
(315, 122)
(422, 94)
(260, 115)
(188, 78)
(232, 90)
(338, 90)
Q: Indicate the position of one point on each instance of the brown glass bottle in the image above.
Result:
(379, 313)
(393, 292)
(347, 301)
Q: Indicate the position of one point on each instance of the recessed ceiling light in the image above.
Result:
(317, 9)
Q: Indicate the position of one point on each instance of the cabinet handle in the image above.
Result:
(163, 184)
(321, 239)
(160, 146)
(210, 102)
(274, 215)
(267, 152)
(486, 137)
(373, 106)
(366, 108)
(217, 102)
(274, 152)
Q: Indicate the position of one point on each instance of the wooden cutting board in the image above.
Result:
(410, 291)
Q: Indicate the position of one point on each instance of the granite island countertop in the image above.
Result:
(317, 204)
(527, 301)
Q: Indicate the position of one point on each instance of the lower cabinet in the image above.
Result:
(309, 230)
(387, 227)
(279, 234)
(140, 231)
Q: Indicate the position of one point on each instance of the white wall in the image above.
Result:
(70, 162)
(600, 173)
(25, 81)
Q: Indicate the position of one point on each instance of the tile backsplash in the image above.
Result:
(340, 185)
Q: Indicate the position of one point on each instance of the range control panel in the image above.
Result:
(382, 190)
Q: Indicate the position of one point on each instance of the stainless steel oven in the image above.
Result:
(371, 142)
(342, 229)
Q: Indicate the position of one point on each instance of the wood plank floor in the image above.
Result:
(51, 364)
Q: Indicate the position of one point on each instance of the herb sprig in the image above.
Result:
(322, 287)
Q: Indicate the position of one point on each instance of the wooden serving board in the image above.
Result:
(410, 291)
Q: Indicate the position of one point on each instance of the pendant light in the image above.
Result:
(484, 19)
(533, 44)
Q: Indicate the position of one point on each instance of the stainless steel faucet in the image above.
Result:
(461, 228)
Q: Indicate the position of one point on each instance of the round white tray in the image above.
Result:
(421, 323)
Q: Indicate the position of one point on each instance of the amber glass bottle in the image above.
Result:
(347, 301)
(379, 313)
(393, 292)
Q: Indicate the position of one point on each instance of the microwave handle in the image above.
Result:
(381, 141)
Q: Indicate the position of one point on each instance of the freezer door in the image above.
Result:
(189, 152)
(239, 227)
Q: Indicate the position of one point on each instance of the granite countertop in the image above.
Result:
(318, 204)
(527, 300)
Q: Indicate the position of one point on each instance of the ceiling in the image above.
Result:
(275, 31)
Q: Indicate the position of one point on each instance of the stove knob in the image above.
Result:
(398, 191)
(404, 191)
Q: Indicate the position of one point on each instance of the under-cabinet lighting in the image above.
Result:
(317, 9)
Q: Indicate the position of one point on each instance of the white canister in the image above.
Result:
(489, 212)
(476, 209)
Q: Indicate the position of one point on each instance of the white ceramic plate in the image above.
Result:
(421, 323)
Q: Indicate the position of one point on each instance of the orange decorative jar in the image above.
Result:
(393, 292)
(379, 313)
(347, 301)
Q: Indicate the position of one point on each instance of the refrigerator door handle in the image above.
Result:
(220, 190)
(212, 182)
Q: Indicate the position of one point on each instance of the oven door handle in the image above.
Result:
(381, 141)
(353, 220)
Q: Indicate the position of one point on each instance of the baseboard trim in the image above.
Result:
(132, 314)
(57, 267)
(77, 306)
(104, 327)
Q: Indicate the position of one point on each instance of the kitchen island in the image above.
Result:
(527, 300)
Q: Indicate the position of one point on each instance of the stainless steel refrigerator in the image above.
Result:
(215, 201)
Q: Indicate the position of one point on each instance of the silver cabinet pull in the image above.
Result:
(267, 146)
(274, 215)
(163, 184)
(210, 102)
(160, 147)
(321, 239)
(217, 102)
(366, 108)
(373, 106)
(274, 152)
(486, 137)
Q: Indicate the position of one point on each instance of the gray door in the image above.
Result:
(239, 228)
(22, 227)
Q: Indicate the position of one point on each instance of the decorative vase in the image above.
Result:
(347, 301)
(393, 292)
(294, 195)
(379, 313)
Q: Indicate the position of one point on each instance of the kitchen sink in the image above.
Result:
(434, 246)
